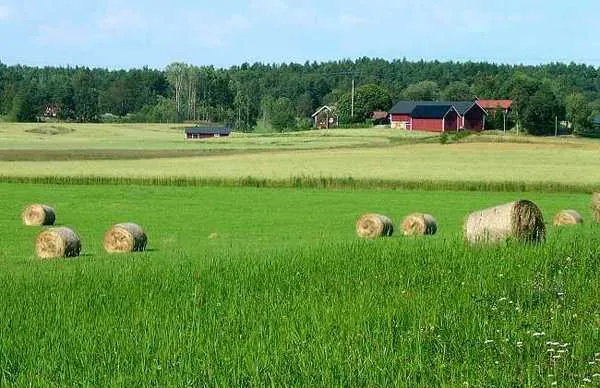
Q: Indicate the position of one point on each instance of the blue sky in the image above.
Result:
(125, 34)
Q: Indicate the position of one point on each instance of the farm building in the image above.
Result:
(380, 117)
(496, 107)
(438, 116)
(325, 117)
(492, 106)
(195, 133)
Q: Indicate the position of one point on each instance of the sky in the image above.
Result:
(131, 34)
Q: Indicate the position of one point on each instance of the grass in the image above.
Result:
(286, 295)
(469, 162)
(131, 137)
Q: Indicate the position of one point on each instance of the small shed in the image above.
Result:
(198, 133)
(325, 117)
(596, 122)
(380, 117)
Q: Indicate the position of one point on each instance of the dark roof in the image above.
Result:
(408, 107)
(208, 131)
(405, 107)
(431, 111)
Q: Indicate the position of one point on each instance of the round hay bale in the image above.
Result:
(419, 224)
(568, 217)
(521, 220)
(596, 206)
(373, 225)
(37, 215)
(54, 243)
(127, 237)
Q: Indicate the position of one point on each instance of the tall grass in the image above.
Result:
(312, 182)
(287, 295)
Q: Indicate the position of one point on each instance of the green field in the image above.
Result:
(286, 295)
(381, 154)
(255, 286)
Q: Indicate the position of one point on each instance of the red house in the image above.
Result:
(439, 116)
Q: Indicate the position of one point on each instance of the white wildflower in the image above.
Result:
(502, 299)
(539, 334)
(586, 380)
(489, 341)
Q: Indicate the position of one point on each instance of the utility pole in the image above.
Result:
(352, 109)
(555, 126)
(505, 122)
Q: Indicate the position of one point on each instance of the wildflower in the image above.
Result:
(540, 334)
(586, 380)
(562, 351)
(502, 299)
(550, 351)
(489, 341)
(564, 345)
(592, 363)
(554, 383)
(556, 357)
(519, 344)
(596, 375)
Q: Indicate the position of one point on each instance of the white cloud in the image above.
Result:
(216, 33)
(4, 13)
(64, 33)
(121, 20)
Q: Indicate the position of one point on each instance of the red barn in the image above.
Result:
(440, 116)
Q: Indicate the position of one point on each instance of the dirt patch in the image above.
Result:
(51, 130)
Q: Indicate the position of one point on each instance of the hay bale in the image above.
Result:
(567, 217)
(521, 220)
(596, 206)
(57, 242)
(37, 215)
(419, 224)
(373, 225)
(127, 237)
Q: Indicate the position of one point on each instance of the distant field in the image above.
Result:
(153, 150)
(284, 294)
(170, 137)
(469, 162)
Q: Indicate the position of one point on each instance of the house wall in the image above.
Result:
(323, 120)
(474, 120)
(400, 121)
(430, 125)
(400, 117)
(193, 136)
(451, 122)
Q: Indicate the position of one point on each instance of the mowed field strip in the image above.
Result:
(245, 286)
(454, 162)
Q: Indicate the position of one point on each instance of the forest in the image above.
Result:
(282, 97)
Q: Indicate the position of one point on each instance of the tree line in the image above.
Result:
(283, 96)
